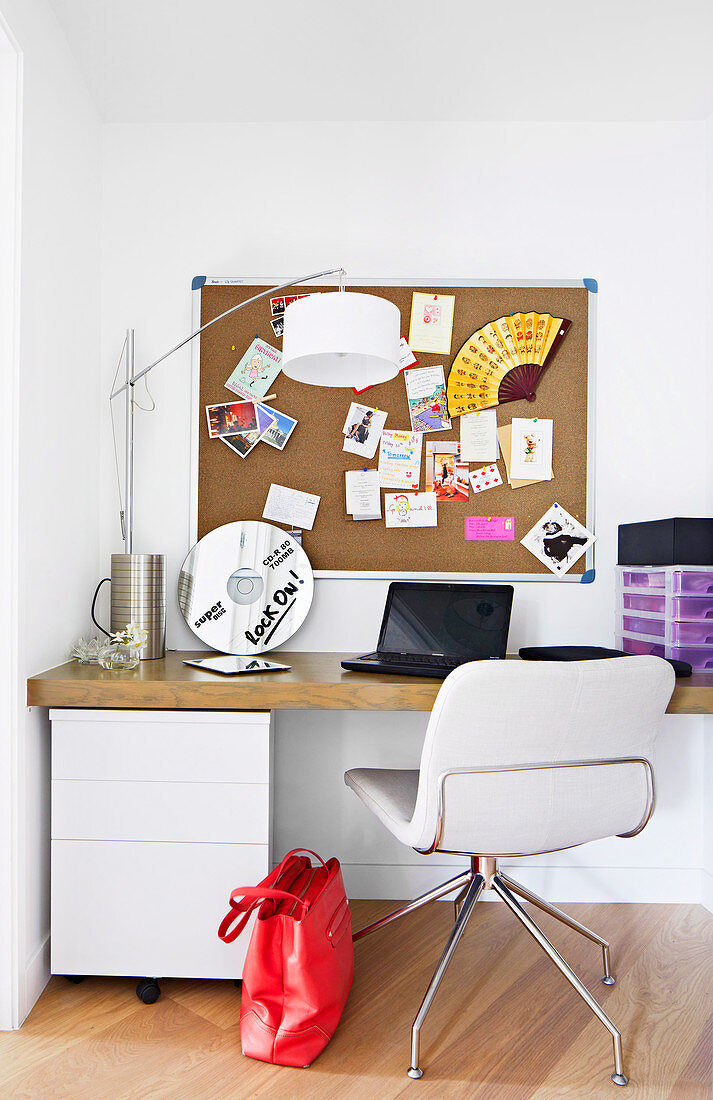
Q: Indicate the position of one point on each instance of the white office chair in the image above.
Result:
(522, 758)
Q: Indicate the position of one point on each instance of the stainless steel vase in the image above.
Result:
(138, 595)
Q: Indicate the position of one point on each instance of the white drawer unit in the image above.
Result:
(156, 817)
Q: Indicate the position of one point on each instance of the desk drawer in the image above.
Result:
(148, 909)
(222, 813)
(173, 746)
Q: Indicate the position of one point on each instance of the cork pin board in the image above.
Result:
(226, 487)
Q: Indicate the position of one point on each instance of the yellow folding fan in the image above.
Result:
(503, 361)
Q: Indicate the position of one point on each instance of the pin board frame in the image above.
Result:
(583, 572)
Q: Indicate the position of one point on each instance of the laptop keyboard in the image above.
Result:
(425, 659)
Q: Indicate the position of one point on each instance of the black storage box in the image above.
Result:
(666, 542)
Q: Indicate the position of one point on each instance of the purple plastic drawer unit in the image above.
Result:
(680, 608)
(690, 633)
(698, 657)
(689, 581)
(673, 633)
(654, 628)
(644, 647)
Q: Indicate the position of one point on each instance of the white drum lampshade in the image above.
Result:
(341, 339)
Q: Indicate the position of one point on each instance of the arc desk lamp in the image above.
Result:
(340, 338)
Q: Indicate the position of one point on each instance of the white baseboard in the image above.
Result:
(596, 884)
(707, 890)
(37, 974)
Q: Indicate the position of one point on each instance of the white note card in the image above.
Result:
(411, 509)
(479, 436)
(363, 494)
(531, 449)
(291, 506)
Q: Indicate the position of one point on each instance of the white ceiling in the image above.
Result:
(405, 60)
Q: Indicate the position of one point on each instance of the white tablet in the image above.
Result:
(230, 666)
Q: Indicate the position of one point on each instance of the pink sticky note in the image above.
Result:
(490, 528)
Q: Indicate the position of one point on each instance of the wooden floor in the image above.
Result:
(505, 1025)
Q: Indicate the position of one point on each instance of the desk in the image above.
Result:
(161, 798)
(315, 682)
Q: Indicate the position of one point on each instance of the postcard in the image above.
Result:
(426, 393)
(243, 442)
(504, 438)
(446, 474)
(363, 494)
(278, 433)
(487, 477)
(400, 459)
(410, 510)
(290, 506)
(231, 418)
(431, 323)
(558, 540)
(256, 371)
(479, 436)
(362, 430)
(490, 528)
(531, 449)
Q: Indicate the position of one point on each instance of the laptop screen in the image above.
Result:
(458, 620)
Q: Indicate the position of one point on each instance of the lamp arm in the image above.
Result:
(263, 294)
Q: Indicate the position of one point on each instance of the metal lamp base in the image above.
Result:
(138, 595)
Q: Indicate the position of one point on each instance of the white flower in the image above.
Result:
(132, 635)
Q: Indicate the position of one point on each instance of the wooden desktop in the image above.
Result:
(315, 681)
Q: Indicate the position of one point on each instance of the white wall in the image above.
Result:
(10, 97)
(625, 203)
(58, 388)
(707, 837)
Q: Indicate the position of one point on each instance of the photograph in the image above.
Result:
(278, 325)
(558, 540)
(243, 442)
(277, 306)
(450, 477)
(279, 432)
(362, 430)
(231, 418)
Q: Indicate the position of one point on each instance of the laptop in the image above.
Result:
(430, 628)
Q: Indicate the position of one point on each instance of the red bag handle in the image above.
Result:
(309, 853)
(258, 894)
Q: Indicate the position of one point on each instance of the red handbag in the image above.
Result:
(299, 966)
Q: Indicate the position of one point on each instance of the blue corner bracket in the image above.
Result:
(199, 281)
(592, 285)
(587, 576)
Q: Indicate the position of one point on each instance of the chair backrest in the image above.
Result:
(506, 714)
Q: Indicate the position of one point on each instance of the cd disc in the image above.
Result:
(245, 587)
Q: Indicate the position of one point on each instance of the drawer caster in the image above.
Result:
(75, 979)
(148, 990)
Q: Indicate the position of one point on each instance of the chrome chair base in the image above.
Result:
(484, 874)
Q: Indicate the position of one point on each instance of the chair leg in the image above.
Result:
(545, 906)
(458, 902)
(618, 1077)
(456, 883)
(474, 891)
